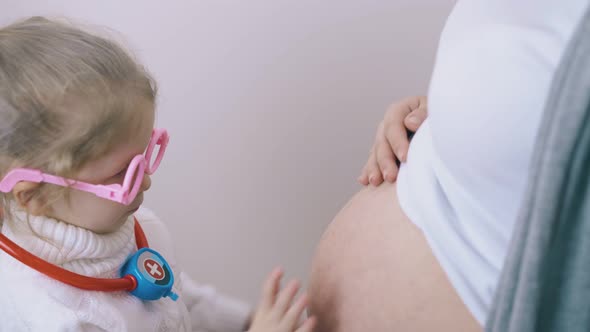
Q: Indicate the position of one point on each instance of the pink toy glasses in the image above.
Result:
(124, 194)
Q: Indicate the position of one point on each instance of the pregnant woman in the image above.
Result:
(425, 253)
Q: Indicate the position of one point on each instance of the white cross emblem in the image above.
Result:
(153, 269)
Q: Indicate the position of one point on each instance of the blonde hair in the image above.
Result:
(66, 97)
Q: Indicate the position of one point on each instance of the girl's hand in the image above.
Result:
(277, 312)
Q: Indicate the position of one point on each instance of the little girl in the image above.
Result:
(77, 149)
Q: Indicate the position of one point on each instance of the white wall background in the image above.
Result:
(271, 106)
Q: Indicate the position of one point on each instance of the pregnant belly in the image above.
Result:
(374, 271)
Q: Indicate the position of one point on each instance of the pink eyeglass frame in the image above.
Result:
(123, 194)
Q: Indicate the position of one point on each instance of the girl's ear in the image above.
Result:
(24, 194)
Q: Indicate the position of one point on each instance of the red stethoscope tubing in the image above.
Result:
(126, 283)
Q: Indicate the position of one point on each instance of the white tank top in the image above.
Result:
(468, 164)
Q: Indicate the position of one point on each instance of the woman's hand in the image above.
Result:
(277, 312)
(392, 142)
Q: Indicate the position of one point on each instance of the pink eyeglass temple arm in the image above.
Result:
(112, 191)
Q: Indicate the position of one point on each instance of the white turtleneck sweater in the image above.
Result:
(31, 301)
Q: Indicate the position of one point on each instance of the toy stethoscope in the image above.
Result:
(145, 274)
